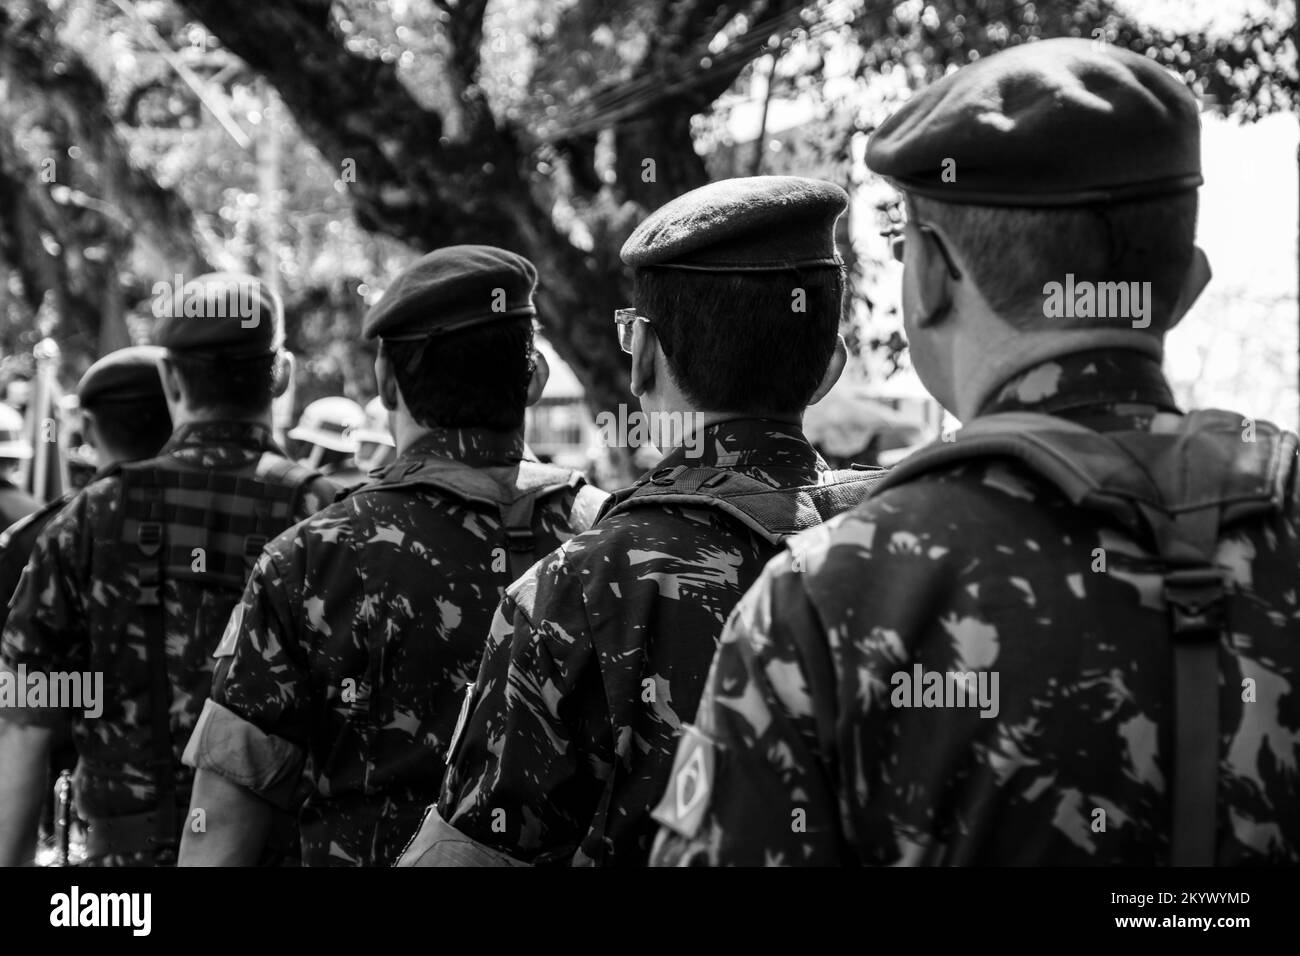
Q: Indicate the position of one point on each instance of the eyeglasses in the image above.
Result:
(625, 319)
(896, 234)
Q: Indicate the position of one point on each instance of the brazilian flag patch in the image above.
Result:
(690, 786)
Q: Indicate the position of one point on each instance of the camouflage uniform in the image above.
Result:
(63, 618)
(595, 658)
(352, 647)
(803, 756)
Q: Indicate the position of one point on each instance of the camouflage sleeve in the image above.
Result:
(46, 628)
(750, 784)
(524, 775)
(254, 726)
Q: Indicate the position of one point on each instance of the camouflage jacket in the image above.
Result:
(65, 619)
(814, 744)
(596, 656)
(351, 649)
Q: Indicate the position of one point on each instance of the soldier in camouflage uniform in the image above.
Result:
(122, 403)
(125, 417)
(823, 736)
(361, 626)
(135, 579)
(599, 652)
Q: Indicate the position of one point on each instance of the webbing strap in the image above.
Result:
(521, 543)
(1196, 598)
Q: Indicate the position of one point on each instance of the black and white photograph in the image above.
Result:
(844, 435)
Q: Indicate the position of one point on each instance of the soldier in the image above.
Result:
(325, 426)
(135, 579)
(361, 627)
(14, 449)
(1064, 635)
(597, 654)
(125, 418)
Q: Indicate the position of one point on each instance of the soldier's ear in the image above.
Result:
(386, 381)
(541, 374)
(282, 372)
(89, 429)
(833, 370)
(1197, 278)
(170, 380)
(645, 346)
(928, 263)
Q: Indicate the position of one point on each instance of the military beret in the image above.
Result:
(1059, 122)
(751, 224)
(124, 375)
(218, 315)
(453, 288)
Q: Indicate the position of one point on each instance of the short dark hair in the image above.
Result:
(475, 378)
(239, 388)
(135, 428)
(1013, 253)
(753, 342)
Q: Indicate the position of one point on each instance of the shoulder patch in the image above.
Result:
(690, 786)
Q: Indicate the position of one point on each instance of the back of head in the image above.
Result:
(742, 284)
(223, 333)
(456, 328)
(1056, 161)
(123, 397)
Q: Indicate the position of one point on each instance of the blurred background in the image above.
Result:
(323, 145)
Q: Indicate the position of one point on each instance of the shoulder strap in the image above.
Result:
(1176, 488)
(773, 514)
(515, 502)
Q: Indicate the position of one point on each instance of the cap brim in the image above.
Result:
(13, 449)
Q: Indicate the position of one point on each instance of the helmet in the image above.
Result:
(13, 444)
(375, 429)
(327, 422)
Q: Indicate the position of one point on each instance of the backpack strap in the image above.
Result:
(1175, 488)
(773, 514)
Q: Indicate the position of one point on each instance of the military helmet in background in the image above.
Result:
(13, 443)
(374, 442)
(328, 422)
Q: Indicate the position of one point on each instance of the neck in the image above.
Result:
(183, 415)
(981, 367)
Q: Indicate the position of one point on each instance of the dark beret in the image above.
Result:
(752, 224)
(1059, 122)
(453, 288)
(218, 315)
(124, 375)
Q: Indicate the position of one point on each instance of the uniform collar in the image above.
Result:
(776, 450)
(477, 447)
(1086, 383)
(246, 435)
